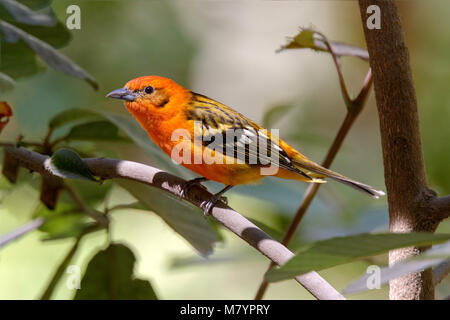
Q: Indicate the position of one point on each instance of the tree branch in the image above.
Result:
(22, 230)
(441, 271)
(113, 169)
(101, 219)
(412, 206)
(354, 107)
(60, 270)
(441, 207)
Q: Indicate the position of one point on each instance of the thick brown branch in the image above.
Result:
(440, 206)
(113, 169)
(410, 201)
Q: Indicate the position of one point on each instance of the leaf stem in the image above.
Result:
(101, 219)
(60, 271)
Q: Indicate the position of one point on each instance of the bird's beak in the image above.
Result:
(123, 94)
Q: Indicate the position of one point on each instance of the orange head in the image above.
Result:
(156, 97)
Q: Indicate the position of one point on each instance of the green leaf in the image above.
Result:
(36, 4)
(18, 60)
(91, 193)
(109, 276)
(46, 52)
(97, 130)
(66, 163)
(71, 115)
(182, 217)
(430, 258)
(6, 82)
(132, 128)
(66, 220)
(178, 262)
(335, 251)
(57, 36)
(23, 14)
(64, 226)
(274, 233)
(305, 39)
(274, 114)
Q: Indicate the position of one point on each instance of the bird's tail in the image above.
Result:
(309, 165)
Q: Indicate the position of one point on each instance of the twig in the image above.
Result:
(122, 206)
(56, 141)
(344, 91)
(112, 169)
(48, 136)
(102, 220)
(441, 206)
(354, 107)
(441, 271)
(341, 49)
(60, 271)
(22, 230)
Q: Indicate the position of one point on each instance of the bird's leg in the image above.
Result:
(189, 184)
(208, 205)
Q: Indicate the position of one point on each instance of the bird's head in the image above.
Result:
(156, 97)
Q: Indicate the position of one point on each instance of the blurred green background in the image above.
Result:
(226, 50)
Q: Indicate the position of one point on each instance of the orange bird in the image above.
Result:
(215, 141)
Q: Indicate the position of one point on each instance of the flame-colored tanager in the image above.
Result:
(162, 106)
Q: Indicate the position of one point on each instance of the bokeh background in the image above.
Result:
(226, 50)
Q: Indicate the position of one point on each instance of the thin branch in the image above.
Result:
(102, 220)
(122, 206)
(354, 108)
(60, 271)
(232, 220)
(343, 49)
(58, 140)
(441, 271)
(21, 231)
(441, 206)
(48, 136)
(340, 49)
(344, 91)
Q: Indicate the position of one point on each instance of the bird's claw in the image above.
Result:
(224, 199)
(188, 185)
(208, 205)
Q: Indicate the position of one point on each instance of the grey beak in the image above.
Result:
(122, 93)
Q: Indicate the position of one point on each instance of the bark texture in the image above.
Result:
(411, 203)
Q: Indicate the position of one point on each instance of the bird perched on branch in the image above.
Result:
(215, 141)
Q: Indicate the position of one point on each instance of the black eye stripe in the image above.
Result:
(149, 89)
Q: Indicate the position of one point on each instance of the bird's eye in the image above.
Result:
(149, 90)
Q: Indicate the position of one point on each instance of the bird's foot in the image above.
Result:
(208, 205)
(189, 184)
(224, 199)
